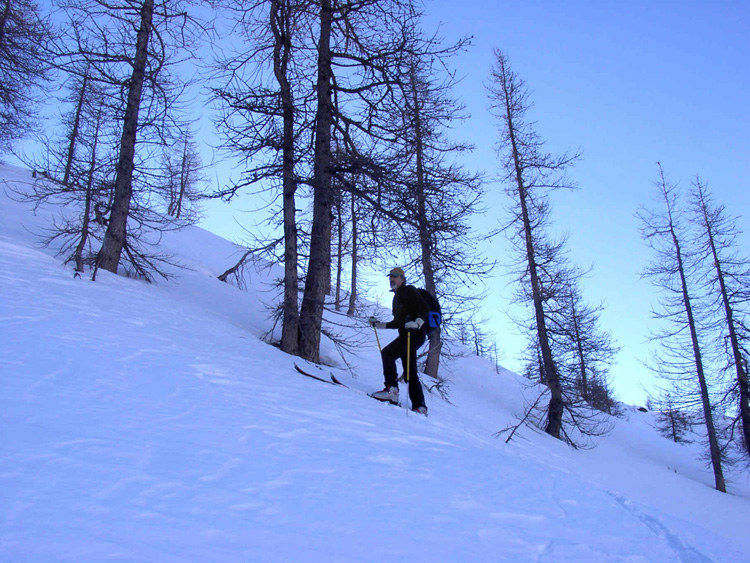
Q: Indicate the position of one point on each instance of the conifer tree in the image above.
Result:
(681, 360)
(349, 49)
(586, 351)
(265, 119)
(567, 351)
(25, 35)
(438, 195)
(671, 422)
(530, 173)
(128, 48)
(727, 284)
(74, 171)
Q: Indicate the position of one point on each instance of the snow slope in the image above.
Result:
(150, 422)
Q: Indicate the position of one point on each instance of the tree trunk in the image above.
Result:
(115, 237)
(707, 414)
(184, 178)
(281, 26)
(339, 253)
(739, 364)
(89, 198)
(550, 375)
(353, 290)
(433, 355)
(579, 351)
(740, 370)
(319, 266)
(74, 131)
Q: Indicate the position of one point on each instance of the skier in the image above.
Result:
(409, 313)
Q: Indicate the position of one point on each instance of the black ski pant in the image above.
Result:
(397, 350)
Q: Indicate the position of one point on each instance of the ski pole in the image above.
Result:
(408, 354)
(408, 363)
(377, 338)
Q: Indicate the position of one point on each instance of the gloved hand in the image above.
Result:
(375, 323)
(416, 324)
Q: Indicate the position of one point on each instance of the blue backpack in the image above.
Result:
(434, 317)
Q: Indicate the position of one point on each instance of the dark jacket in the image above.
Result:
(408, 305)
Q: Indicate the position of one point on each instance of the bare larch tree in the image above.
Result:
(530, 173)
(728, 288)
(24, 70)
(672, 271)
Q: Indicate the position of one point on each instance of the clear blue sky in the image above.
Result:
(629, 83)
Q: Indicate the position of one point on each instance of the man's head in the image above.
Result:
(397, 277)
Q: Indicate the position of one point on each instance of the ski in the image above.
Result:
(384, 401)
(331, 381)
(335, 381)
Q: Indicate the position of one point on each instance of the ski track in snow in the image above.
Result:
(685, 552)
(147, 422)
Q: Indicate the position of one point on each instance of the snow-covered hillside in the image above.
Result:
(150, 422)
